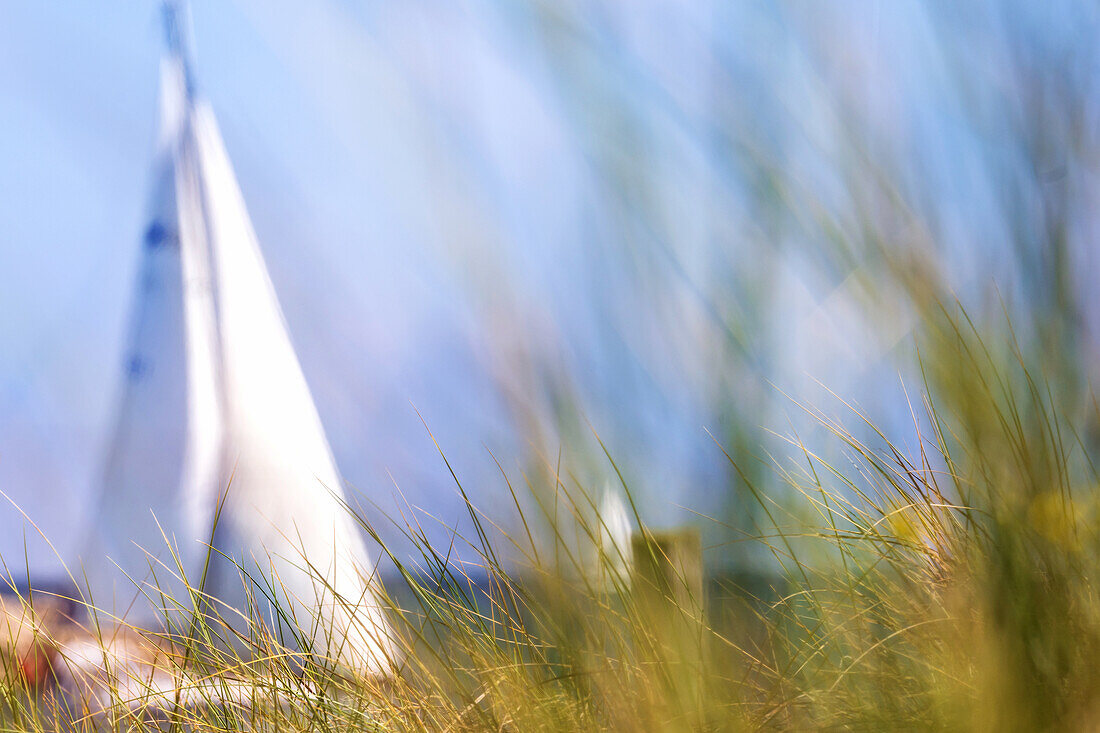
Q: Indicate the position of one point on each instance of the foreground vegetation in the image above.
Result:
(946, 585)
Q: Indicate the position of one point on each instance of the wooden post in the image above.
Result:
(668, 596)
(668, 569)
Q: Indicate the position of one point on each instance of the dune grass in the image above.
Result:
(949, 585)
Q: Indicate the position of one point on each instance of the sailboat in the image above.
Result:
(219, 473)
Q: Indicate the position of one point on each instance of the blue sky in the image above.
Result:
(439, 186)
(336, 188)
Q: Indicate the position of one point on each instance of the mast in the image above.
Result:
(178, 39)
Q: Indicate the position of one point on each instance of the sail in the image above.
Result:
(163, 459)
(285, 516)
(216, 409)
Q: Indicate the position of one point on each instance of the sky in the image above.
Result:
(439, 186)
(343, 240)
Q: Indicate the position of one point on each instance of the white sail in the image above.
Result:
(284, 511)
(164, 458)
(216, 407)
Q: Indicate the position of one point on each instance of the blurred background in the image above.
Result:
(669, 224)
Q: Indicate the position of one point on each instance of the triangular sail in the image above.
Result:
(285, 508)
(164, 458)
(214, 392)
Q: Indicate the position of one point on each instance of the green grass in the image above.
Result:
(951, 586)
